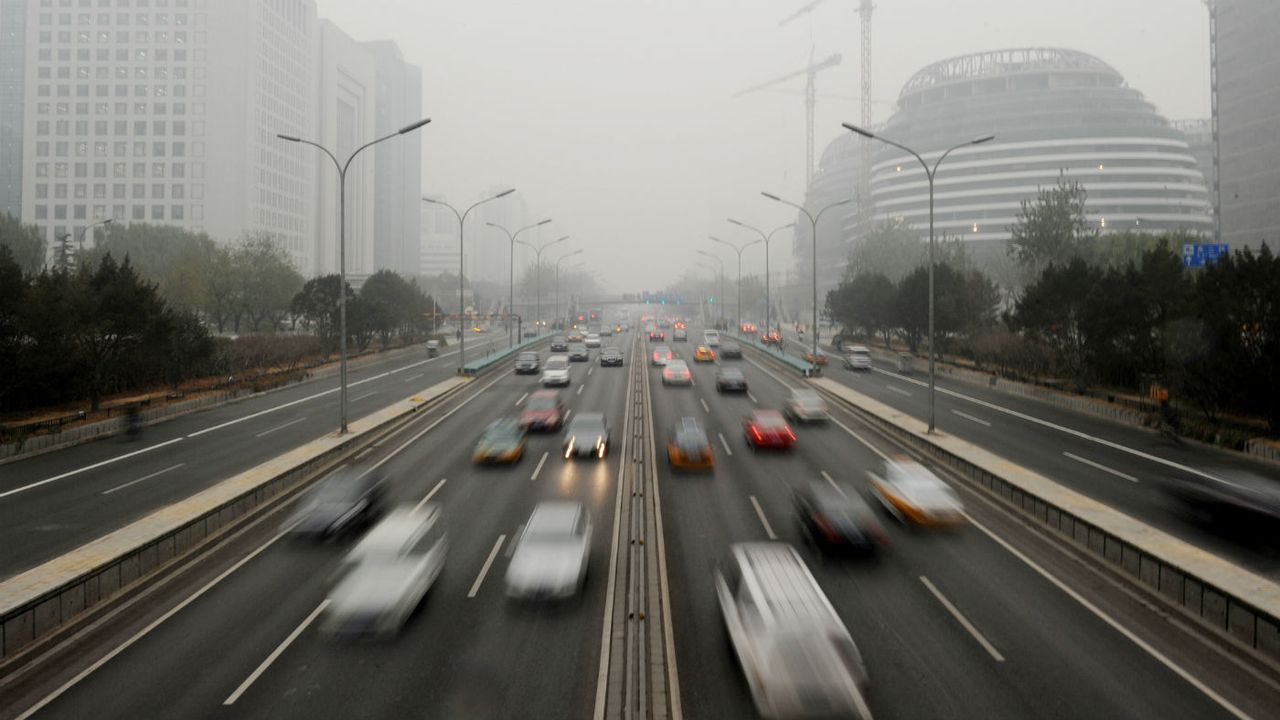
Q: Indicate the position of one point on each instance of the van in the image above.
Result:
(433, 348)
(711, 338)
(796, 653)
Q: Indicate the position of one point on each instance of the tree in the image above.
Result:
(1052, 228)
(317, 305)
(265, 281)
(153, 250)
(1053, 310)
(866, 302)
(912, 302)
(891, 248)
(25, 243)
(394, 306)
(13, 293)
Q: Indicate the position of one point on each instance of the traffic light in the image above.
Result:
(711, 301)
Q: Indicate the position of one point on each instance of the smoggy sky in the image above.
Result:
(616, 118)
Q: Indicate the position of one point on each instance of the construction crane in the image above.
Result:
(810, 99)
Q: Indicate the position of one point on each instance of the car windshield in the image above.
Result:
(770, 420)
(528, 357)
(502, 431)
(340, 488)
(556, 363)
(678, 366)
(587, 424)
(731, 374)
(542, 402)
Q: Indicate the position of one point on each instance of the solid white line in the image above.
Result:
(281, 427)
(146, 630)
(144, 477)
(475, 587)
(1100, 466)
(87, 468)
(972, 418)
(515, 539)
(725, 443)
(432, 426)
(753, 397)
(705, 407)
(763, 520)
(431, 494)
(581, 388)
(859, 438)
(591, 370)
(411, 378)
(275, 654)
(1177, 669)
(567, 413)
(964, 622)
(538, 469)
(898, 390)
(831, 480)
(362, 397)
(522, 399)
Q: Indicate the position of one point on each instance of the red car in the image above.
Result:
(543, 411)
(768, 429)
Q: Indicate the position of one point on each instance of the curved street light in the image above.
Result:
(538, 273)
(462, 227)
(768, 298)
(511, 268)
(561, 259)
(930, 173)
(719, 260)
(738, 249)
(81, 233)
(342, 251)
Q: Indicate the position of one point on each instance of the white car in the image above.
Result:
(386, 575)
(555, 371)
(806, 405)
(592, 340)
(551, 555)
(912, 493)
(857, 357)
(711, 338)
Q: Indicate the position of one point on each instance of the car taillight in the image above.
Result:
(791, 434)
(755, 432)
(824, 527)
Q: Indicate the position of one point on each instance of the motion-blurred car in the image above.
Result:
(748, 329)
(661, 355)
(606, 331)
(688, 447)
(731, 351)
(819, 358)
(857, 357)
(1228, 495)
(433, 348)
(544, 410)
(349, 499)
(656, 334)
(912, 493)
(592, 340)
(527, 363)
(588, 436)
(806, 405)
(711, 338)
(704, 354)
(768, 429)
(502, 442)
(559, 344)
(578, 352)
(771, 338)
(837, 519)
(551, 556)
(677, 373)
(574, 336)
(386, 575)
(611, 357)
(731, 380)
(798, 658)
(556, 371)
(680, 335)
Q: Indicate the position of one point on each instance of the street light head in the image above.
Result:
(290, 138)
(864, 133)
(544, 222)
(736, 222)
(490, 224)
(984, 138)
(415, 126)
(504, 193)
(771, 196)
(108, 221)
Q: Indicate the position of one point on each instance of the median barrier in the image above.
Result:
(44, 600)
(1218, 594)
(486, 362)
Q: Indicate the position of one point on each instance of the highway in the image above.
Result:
(951, 624)
(53, 502)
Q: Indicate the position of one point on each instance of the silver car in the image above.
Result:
(551, 556)
(806, 405)
(386, 575)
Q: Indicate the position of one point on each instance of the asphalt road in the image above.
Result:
(57, 501)
(247, 640)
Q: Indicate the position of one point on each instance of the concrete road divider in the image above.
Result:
(1216, 593)
(48, 598)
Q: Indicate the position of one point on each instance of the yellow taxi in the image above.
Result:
(818, 359)
(688, 447)
(704, 354)
(912, 493)
(502, 443)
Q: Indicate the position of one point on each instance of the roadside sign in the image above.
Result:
(1195, 255)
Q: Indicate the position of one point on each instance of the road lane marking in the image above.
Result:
(753, 397)
(567, 413)
(511, 546)
(898, 390)
(87, 468)
(768, 529)
(1115, 624)
(590, 370)
(522, 399)
(971, 418)
(725, 443)
(275, 654)
(581, 388)
(538, 469)
(362, 397)
(705, 407)
(1100, 466)
(411, 378)
(281, 427)
(475, 587)
(826, 476)
(964, 621)
(144, 477)
(430, 495)
(859, 438)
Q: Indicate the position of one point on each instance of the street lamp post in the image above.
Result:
(560, 260)
(511, 268)
(462, 233)
(813, 221)
(342, 252)
(537, 272)
(930, 173)
(81, 233)
(704, 253)
(768, 298)
(715, 275)
(738, 249)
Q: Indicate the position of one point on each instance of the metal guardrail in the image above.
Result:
(480, 364)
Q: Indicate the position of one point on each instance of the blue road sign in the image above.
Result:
(1195, 255)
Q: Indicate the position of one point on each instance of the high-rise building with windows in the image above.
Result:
(13, 43)
(398, 177)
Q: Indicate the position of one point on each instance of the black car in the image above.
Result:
(611, 356)
(349, 499)
(731, 350)
(588, 436)
(835, 518)
(559, 344)
(578, 352)
(731, 380)
(527, 363)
